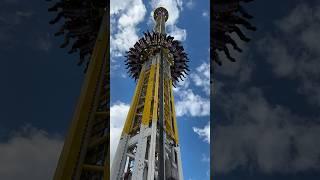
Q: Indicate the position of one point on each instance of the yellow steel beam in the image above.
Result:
(168, 113)
(131, 113)
(106, 171)
(147, 103)
(72, 145)
(98, 141)
(155, 97)
(104, 114)
(93, 167)
(174, 114)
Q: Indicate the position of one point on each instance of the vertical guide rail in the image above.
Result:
(161, 124)
(162, 150)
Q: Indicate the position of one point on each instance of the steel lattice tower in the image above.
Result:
(149, 146)
(85, 154)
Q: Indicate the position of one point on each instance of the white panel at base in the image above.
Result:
(152, 151)
(119, 159)
(139, 161)
(179, 162)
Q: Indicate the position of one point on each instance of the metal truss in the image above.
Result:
(85, 155)
(149, 147)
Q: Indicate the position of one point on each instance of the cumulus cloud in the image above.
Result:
(204, 133)
(205, 14)
(182, 85)
(293, 51)
(201, 77)
(30, 153)
(260, 135)
(178, 33)
(118, 114)
(300, 15)
(125, 16)
(188, 102)
(190, 4)
(283, 66)
(205, 158)
(192, 104)
(252, 132)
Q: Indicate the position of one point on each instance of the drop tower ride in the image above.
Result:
(149, 146)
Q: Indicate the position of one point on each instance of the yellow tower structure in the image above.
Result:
(149, 145)
(85, 154)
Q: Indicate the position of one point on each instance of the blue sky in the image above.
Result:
(188, 22)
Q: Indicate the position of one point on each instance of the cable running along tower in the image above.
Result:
(149, 146)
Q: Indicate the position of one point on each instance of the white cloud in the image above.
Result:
(282, 66)
(201, 77)
(300, 15)
(267, 136)
(205, 158)
(117, 6)
(190, 4)
(125, 16)
(118, 114)
(187, 101)
(294, 51)
(204, 133)
(205, 14)
(182, 85)
(31, 153)
(178, 33)
(192, 104)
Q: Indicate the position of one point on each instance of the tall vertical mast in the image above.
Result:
(160, 16)
(149, 148)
